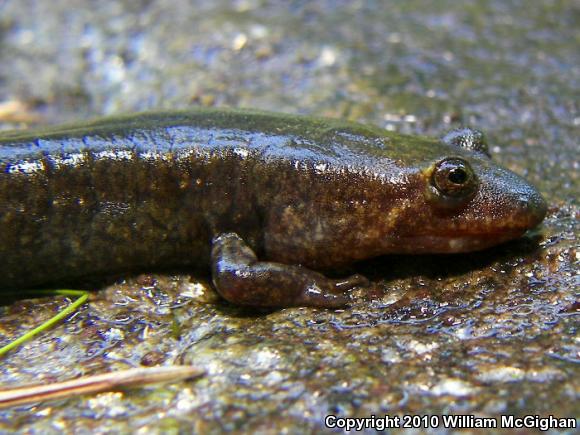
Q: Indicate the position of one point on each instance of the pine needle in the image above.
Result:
(96, 384)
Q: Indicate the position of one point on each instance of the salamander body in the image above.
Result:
(265, 200)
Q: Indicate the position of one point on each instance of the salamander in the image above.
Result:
(268, 202)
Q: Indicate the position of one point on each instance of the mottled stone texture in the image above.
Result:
(490, 333)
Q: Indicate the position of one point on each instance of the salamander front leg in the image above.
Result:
(241, 279)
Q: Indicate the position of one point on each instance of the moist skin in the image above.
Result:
(264, 200)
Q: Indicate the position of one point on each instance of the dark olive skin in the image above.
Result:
(262, 199)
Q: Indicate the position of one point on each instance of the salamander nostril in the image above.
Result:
(535, 208)
(525, 206)
(540, 208)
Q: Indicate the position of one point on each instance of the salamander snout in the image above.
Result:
(508, 203)
(533, 207)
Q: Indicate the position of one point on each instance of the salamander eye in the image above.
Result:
(453, 177)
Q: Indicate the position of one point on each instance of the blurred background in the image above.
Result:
(495, 335)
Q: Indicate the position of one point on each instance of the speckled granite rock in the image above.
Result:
(485, 334)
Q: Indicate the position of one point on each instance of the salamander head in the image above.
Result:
(464, 202)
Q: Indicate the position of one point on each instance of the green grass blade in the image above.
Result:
(82, 297)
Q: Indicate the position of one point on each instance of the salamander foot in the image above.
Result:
(241, 278)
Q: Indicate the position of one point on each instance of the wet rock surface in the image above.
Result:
(486, 334)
